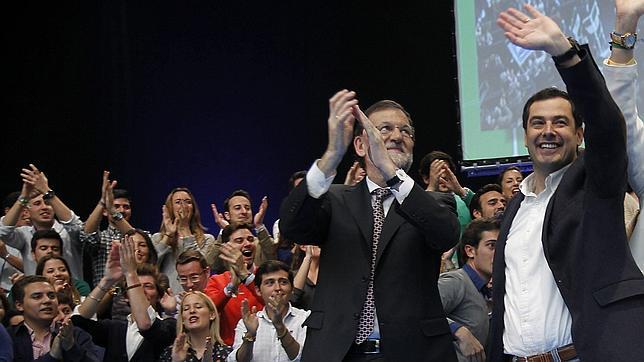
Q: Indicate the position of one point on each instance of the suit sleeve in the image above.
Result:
(304, 219)
(605, 130)
(434, 213)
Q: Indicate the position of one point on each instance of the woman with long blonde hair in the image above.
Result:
(180, 230)
(198, 336)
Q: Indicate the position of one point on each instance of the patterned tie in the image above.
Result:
(369, 309)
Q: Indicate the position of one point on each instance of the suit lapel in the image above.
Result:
(358, 201)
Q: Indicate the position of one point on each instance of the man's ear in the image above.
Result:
(579, 132)
(360, 146)
(19, 307)
(476, 214)
(259, 292)
(470, 251)
(227, 215)
(426, 179)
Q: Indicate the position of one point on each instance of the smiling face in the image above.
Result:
(275, 283)
(142, 253)
(510, 183)
(39, 305)
(239, 211)
(243, 239)
(57, 273)
(196, 313)
(41, 213)
(492, 204)
(551, 136)
(397, 135)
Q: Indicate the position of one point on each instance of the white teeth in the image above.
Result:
(548, 145)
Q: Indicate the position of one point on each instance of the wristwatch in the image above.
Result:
(623, 41)
(117, 216)
(397, 180)
(574, 50)
(48, 195)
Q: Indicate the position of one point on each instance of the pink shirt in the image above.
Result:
(42, 347)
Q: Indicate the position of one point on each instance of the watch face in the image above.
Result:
(629, 40)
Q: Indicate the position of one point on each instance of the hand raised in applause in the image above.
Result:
(340, 123)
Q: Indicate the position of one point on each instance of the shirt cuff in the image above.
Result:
(404, 189)
(454, 326)
(317, 184)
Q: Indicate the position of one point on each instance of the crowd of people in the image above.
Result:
(377, 268)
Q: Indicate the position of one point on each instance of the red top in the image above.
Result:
(229, 308)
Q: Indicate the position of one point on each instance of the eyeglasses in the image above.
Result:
(193, 278)
(386, 129)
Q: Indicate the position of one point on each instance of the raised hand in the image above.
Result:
(340, 123)
(534, 31)
(274, 306)
(35, 178)
(180, 348)
(249, 316)
(629, 8)
(355, 174)
(219, 218)
(127, 256)
(169, 224)
(113, 270)
(235, 261)
(66, 334)
(258, 220)
(169, 302)
(376, 150)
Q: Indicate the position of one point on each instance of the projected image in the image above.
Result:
(510, 77)
(496, 77)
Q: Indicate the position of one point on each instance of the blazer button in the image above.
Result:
(365, 279)
(356, 315)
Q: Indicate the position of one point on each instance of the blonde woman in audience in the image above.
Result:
(198, 336)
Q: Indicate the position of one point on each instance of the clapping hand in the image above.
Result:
(219, 218)
(249, 316)
(258, 220)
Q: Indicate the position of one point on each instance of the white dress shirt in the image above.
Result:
(536, 318)
(133, 338)
(266, 346)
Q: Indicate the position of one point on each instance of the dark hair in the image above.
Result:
(296, 176)
(41, 265)
(550, 93)
(242, 193)
(65, 298)
(231, 228)
(152, 252)
(379, 106)
(426, 162)
(502, 174)
(475, 203)
(122, 194)
(18, 288)
(10, 199)
(151, 270)
(190, 256)
(46, 234)
(271, 266)
(472, 235)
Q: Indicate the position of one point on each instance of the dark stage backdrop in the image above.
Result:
(211, 95)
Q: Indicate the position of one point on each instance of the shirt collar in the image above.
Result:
(552, 181)
(479, 283)
(262, 313)
(372, 186)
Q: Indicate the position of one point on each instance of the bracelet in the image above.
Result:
(48, 195)
(248, 338)
(7, 256)
(283, 334)
(133, 286)
(106, 290)
(167, 235)
(90, 296)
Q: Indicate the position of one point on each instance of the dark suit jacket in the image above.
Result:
(584, 239)
(82, 350)
(412, 322)
(111, 335)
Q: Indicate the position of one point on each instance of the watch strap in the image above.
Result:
(575, 49)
